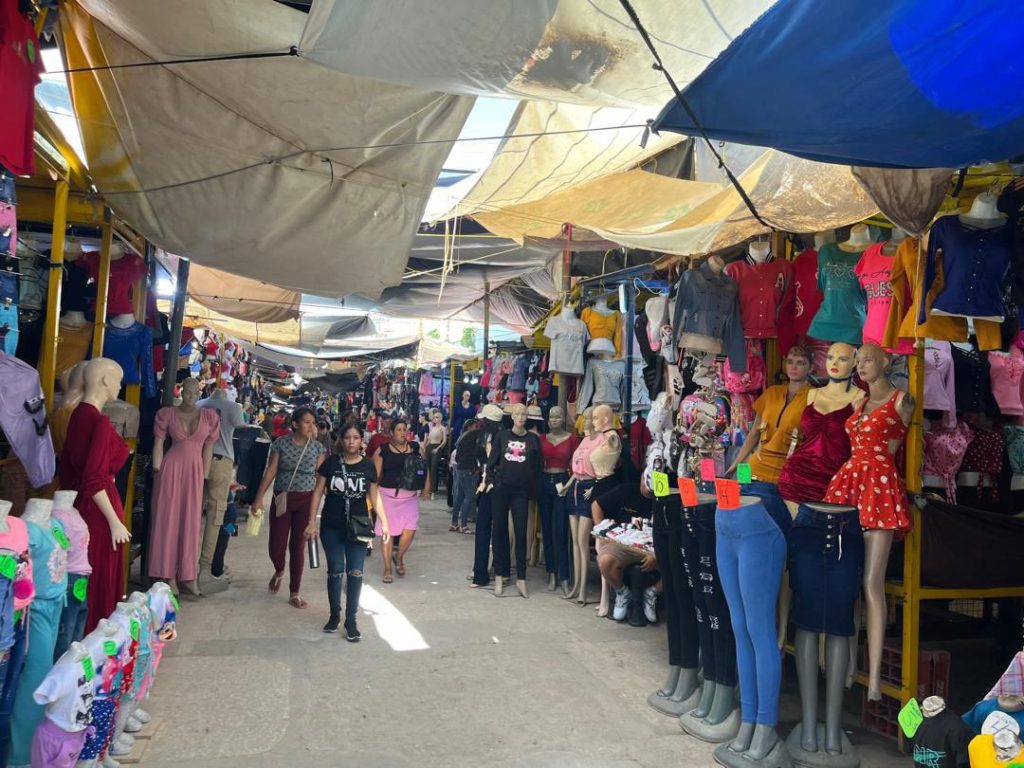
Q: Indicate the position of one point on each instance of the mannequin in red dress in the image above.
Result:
(92, 455)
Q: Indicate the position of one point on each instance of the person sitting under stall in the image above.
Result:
(625, 504)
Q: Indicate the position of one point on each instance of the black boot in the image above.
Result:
(353, 586)
(334, 600)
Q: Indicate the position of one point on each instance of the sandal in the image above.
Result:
(400, 569)
(387, 577)
(275, 582)
(452, 528)
(466, 529)
(297, 602)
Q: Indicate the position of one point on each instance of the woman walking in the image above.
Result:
(401, 507)
(294, 461)
(350, 484)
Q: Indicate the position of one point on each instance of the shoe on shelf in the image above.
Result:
(352, 631)
(650, 601)
(623, 599)
(332, 624)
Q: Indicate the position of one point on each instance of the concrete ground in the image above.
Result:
(444, 675)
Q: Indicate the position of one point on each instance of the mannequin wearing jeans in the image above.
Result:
(751, 550)
(556, 449)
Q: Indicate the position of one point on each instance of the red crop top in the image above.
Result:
(557, 456)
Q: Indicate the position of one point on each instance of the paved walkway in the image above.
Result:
(444, 675)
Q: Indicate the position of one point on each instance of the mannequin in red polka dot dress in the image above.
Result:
(871, 482)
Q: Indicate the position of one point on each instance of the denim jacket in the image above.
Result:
(707, 304)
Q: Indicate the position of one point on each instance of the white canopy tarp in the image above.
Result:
(261, 167)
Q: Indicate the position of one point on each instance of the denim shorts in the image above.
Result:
(577, 503)
(826, 563)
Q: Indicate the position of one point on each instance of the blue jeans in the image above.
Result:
(751, 554)
(482, 550)
(773, 503)
(12, 662)
(342, 554)
(464, 495)
(72, 619)
(554, 525)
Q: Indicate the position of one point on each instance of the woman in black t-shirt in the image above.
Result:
(349, 482)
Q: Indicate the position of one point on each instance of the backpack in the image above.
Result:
(414, 473)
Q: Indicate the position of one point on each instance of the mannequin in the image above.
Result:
(48, 548)
(759, 250)
(943, 738)
(984, 213)
(123, 742)
(826, 554)
(514, 468)
(898, 236)
(106, 646)
(860, 238)
(883, 415)
(178, 488)
(67, 692)
(91, 457)
(75, 612)
(604, 380)
(463, 411)
(602, 322)
(823, 238)
(72, 384)
(556, 451)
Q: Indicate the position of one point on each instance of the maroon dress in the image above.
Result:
(823, 449)
(92, 455)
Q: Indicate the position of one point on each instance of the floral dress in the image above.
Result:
(870, 480)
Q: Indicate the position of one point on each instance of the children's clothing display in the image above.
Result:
(765, 294)
(844, 308)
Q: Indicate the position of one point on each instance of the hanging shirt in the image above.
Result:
(568, 340)
(1007, 371)
(21, 68)
(971, 383)
(941, 742)
(124, 273)
(939, 388)
(603, 384)
(520, 368)
(132, 349)
(873, 271)
(843, 311)
(23, 420)
(765, 295)
(603, 326)
(807, 294)
(975, 262)
(707, 308)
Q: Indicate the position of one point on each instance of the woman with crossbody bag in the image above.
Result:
(399, 496)
(294, 461)
(347, 483)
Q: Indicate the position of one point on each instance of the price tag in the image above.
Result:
(87, 668)
(910, 718)
(110, 648)
(80, 589)
(8, 566)
(707, 470)
(687, 491)
(660, 484)
(728, 492)
(174, 602)
(134, 629)
(61, 537)
(743, 473)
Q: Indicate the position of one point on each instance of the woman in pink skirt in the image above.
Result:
(402, 507)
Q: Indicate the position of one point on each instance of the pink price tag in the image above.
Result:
(707, 470)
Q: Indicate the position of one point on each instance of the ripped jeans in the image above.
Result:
(343, 554)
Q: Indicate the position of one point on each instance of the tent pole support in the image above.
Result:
(564, 379)
(487, 316)
(48, 359)
(177, 323)
(103, 286)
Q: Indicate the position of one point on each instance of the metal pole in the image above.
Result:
(627, 404)
(177, 322)
(48, 361)
(103, 286)
(487, 316)
(563, 379)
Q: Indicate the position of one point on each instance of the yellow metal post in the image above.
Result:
(48, 357)
(103, 286)
(912, 545)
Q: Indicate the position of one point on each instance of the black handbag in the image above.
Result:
(358, 526)
(414, 473)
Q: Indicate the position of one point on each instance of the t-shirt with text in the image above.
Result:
(345, 482)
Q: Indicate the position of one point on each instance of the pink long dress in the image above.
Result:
(178, 495)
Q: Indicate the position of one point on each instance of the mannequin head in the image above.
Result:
(798, 364)
(72, 382)
(860, 238)
(102, 379)
(556, 419)
(588, 421)
(716, 263)
(190, 391)
(841, 361)
(465, 397)
(602, 418)
(872, 362)
(518, 413)
(758, 250)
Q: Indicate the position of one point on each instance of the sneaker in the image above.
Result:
(332, 625)
(352, 631)
(623, 599)
(650, 599)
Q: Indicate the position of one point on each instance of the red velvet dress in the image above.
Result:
(823, 449)
(92, 455)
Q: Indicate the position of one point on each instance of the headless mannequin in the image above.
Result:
(759, 251)
(73, 318)
(872, 362)
(123, 741)
(569, 314)
(5, 510)
(556, 436)
(822, 239)
(126, 320)
(859, 240)
(984, 213)
(601, 306)
(897, 237)
(808, 735)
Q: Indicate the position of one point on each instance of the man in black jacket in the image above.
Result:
(464, 490)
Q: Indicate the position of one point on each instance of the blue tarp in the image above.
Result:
(903, 83)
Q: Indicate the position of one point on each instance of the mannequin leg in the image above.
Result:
(837, 651)
(876, 556)
(785, 604)
(670, 682)
(532, 553)
(851, 667)
(806, 654)
(482, 540)
(561, 544)
(501, 532)
(583, 546)
(520, 509)
(574, 528)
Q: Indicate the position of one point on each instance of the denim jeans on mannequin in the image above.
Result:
(751, 554)
(514, 499)
(482, 550)
(680, 611)
(12, 662)
(463, 496)
(345, 558)
(717, 642)
(554, 522)
(72, 619)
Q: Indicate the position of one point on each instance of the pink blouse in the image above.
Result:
(1007, 372)
(939, 392)
(581, 463)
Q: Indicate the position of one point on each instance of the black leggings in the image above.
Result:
(516, 499)
(680, 614)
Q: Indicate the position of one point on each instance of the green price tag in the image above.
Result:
(8, 566)
(660, 481)
(910, 718)
(17, 616)
(134, 629)
(174, 602)
(87, 668)
(110, 648)
(743, 473)
(80, 589)
(61, 538)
